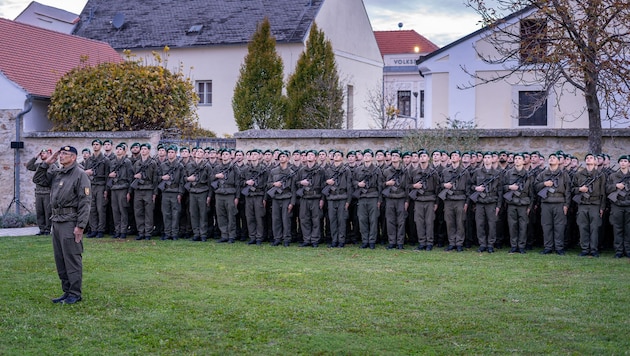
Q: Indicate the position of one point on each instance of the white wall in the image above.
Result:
(13, 97)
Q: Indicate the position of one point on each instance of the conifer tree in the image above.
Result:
(314, 94)
(258, 102)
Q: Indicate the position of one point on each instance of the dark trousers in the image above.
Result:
(281, 220)
(119, 210)
(198, 211)
(589, 221)
(43, 212)
(255, 214)
(170, 213)
(98, 208)
(424, 217)
(553, 222)
(395, 215)
(368, 212)
(517, 221)
(620, 221)
(454, 219)
(338, 216)
(68, 257)
(143, 208)
(486, 221)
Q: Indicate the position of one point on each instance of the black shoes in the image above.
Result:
(364, 245)
(285, 244)
(420, 248)
(140, 237)
(400, 247)
(372, 246)
(490, 249)
(71, 299)
(618, 255)
(461, 249)
(305, 244)
(429, 247)
(390, 246)
(450, 248)
(545, 252)
(341, 245)
(251, 242)
(595, 254)
(481, 249)
(522, 251)
(561, 252)
(584, 254)
(225, 239)
(275, 243)
(60, 299)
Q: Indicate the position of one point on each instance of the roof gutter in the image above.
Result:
(17, 145)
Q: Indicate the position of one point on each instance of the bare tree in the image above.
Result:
(382, 106)
(566, 46)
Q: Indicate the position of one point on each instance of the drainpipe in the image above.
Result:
(17, 145)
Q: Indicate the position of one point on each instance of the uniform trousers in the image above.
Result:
(68, 257)
(43, 211)
(98, 209)
(368, 212)
(119, 210)
(170, 213)
(281, 220)
(517, 221)
(589, 221)
(310, 219)
(620, 220)
(395, 215)
(338, 216)
(143, 209)
(424, 217)
(198, 211)
(255, 214)
(226, 215)
(454, 219)
(486, 223)
(553, 222)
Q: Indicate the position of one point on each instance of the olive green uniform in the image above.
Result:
(70, 205)
(369, 198)
(144, 189)
(98, 212)
(42, 199)
(254, 196)
(119, 188)
(552, 214)
(590, 205)
(454, 202)
(620, 211)
(172, 188)
(225, 192)
(310, 197)
(281, 217)
(518, 202)
(395, 197)
(338, 197)
(486, 204)
(198, 191)
(425, 201)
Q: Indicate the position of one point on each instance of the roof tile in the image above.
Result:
(403, 42)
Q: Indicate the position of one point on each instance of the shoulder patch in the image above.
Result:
(87, 191)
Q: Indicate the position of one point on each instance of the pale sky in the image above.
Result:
(440, 21)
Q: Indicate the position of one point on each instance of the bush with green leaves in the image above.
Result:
(454, 135)
(11, 220)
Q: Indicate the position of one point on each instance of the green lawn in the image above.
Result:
(180, 297)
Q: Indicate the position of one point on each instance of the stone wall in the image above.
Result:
(575, 141)
(34, 142)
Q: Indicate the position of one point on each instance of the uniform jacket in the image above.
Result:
(175, 170)
(615, 178)
(561, 191)
(372, 176)
(202, 176)
(149, 171)
(100, 166)
(259, 174)
(32, 166)
(493, 193)
(230, 184)
(524, 179)
(460, 178)
(597, 189)
(124, 173)
(342, 189)
(399, 189)
(286, 176)
(315, 176)
(430, 179)
(69, 193)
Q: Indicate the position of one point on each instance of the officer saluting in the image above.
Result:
(70, 203)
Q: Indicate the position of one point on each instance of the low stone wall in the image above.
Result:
(615, 141)
(34, 142)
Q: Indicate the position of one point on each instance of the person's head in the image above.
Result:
(171, 153)
(108, 145)
(45, 153)
(226, 156)
(121, 150)
(283, 157)
(67, 155)
(352, 157)
(553, 160)
(590, 159)
(487, 159)
(455, 156)
(86, 153)
(297, 156)
(135, 148)
(312, 156)
(623, 161)
(396, 156)
(436, 156)
(368, 155)
(519, 160)
(184, 152)
(96, 146)
(423, 156)
(466, 158)
(338, 156)
(145, 149)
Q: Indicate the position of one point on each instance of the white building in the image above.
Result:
(48, 17)
(209, 38)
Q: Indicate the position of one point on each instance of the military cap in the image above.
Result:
(626, 157)
(367, 150)
(184, 148)
(393, 152)
(107, 140)
(422, 151)
(352, 153)
(69, 149)
(405, 154)
(456, 151)
(147, 145)
(86, 150)
(172, 148)
(135, 144)
(283, 153)
(519, 154)
(589, 154)
(161, 146)
(97, 141)
(122, 145)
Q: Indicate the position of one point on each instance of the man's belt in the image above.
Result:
(62, 211)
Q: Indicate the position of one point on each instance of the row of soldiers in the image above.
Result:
(439, 199)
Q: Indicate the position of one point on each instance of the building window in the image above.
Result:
(204, 90)
(533, 41)
(404, 103)
(532, 108)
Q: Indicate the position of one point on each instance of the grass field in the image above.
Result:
(180, 297)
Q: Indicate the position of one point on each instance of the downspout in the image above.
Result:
(18, 130)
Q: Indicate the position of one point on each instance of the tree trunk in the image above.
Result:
(594, 113)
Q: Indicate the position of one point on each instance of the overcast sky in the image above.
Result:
(441, 21)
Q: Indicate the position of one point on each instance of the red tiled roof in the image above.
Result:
(35, 58)
(403, 42)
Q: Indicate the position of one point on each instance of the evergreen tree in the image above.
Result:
(315, 96)
(258, 102)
